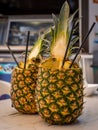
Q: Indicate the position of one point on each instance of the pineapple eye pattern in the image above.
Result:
(23, 90)
(59, 97)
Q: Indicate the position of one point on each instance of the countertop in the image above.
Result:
(11, 119)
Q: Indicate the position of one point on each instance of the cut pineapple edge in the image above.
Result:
(53, 63)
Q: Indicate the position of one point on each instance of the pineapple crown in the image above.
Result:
(41, 46)
(61, 32)
(54, 40)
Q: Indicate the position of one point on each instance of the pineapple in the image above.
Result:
(23, 84)
(23, 80)
(59, 91)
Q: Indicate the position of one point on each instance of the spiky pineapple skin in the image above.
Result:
(23, 84)
(59, 95)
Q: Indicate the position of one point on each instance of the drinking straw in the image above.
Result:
(27, 48)
(82, 44)
(68, 43)
(12, 55)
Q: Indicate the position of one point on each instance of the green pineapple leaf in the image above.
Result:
(63, 18)
(40, 45)
(60, 32)
(36, 49)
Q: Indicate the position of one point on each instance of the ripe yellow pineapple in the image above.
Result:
(23, 84)
(59, 91)
(23, 81)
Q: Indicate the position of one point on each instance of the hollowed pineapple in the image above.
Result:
(23, 84)
(59, 91)
(59, 94)
(23, 80)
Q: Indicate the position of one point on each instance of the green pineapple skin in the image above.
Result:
(23, 84)
(59, 95)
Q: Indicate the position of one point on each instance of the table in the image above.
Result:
(11, 119)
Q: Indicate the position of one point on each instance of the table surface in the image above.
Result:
(11, 119)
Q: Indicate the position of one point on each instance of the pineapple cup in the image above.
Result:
(23, 84)
(24, 80)
(59, 95)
